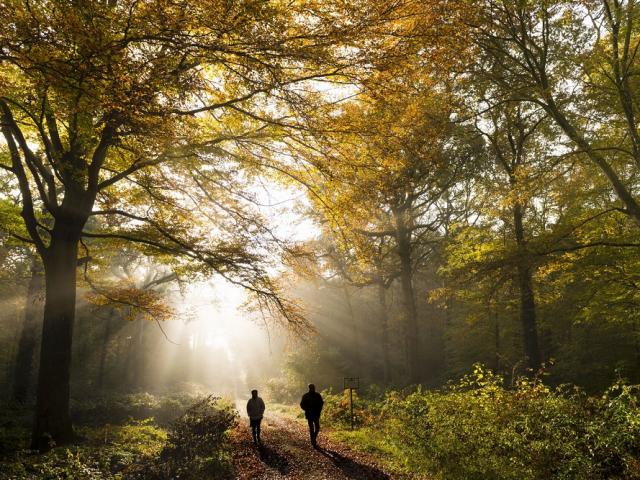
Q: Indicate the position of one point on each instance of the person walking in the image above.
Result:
(312, 404)
(255, 411)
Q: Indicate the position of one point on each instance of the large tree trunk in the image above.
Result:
(527, 298)
(409, 301)
(384, 333)
(25, 358)
(52, 420)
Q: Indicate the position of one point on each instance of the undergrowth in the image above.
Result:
(480, 428)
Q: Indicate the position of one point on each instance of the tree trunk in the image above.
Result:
(496, 339)
(140, 380)
(25, 358)
(384, 333)
(409, 301)
(357, 359)
(527, 298)
(52, 420)
(103, 351)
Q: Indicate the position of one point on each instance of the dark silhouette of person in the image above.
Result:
(312, 403)
(255, 411)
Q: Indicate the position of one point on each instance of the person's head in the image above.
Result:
(254, 393)
(312, 387)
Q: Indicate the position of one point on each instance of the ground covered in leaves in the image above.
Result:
(286, 453)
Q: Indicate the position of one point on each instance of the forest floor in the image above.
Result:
(286, 453)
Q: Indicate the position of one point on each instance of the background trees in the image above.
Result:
(108, 109)
(469, 173)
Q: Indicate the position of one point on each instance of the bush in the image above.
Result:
(284, 390)
(104, 454)
(196, 445)
(479, 428)
(120, 409)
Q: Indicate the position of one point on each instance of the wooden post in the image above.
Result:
(352, 383)
(351, 402)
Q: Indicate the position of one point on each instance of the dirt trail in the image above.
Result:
(287, 454)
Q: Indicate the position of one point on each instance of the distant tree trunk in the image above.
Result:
(103, 351)
(403, 237)
(52, 419)
(527, 298)
(496, 334)
(140, 367)
(636, 345)
(25, 357)
(384, 333)
(357, 358)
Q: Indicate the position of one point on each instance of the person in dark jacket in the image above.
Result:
(312, 403)
(255, 411)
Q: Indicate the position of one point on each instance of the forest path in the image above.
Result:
(286, 453)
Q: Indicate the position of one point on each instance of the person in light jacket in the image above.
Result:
(255, 411)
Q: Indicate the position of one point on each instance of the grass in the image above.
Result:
(374, 442)
(104, 453)
(191, 446)
(369, 440)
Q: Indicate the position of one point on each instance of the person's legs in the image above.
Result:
(258, 422)
(316, 430)
(254, 427)
(310, 421)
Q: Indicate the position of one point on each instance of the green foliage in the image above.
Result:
(105, 453)
(193, 446)
(480, 428)
(367, 409)
(119, 409)
(196, 444)
(283, 390)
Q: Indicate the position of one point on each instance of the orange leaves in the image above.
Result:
(132, 302)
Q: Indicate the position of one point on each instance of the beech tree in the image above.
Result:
(382, 173)
(577, 61)
(109, 109)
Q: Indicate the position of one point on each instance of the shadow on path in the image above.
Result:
(274, 459)
(353, 469)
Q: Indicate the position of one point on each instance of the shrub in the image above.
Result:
(196, 445)
(104, 454)
(120, 409)
(480, 428)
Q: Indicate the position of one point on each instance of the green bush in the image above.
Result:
(105, 453)
(196, 445)
(284, 390)
(480, 428)
(120, 409)
(337, 409)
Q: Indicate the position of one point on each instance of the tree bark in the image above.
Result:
(496, 339)
(52, 420)
(25, 357)
(408, 295)
(357, 358)
(384, 333)
(140, 380)
(527, 297)
(103, 351)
